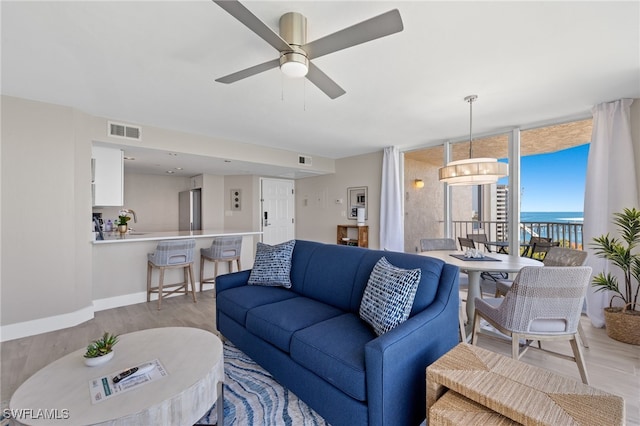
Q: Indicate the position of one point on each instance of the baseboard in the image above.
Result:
(58, 322)
(127, 299)
(45, 325)
(117, 301)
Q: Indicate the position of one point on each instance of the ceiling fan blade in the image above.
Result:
(256, 69)
(242, 14)
(323, 82)
(380, 26)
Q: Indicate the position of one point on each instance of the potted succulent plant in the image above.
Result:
(121, 223)
(101, 350)
(622, 322)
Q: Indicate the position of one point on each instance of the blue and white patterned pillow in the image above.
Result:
(389, 295)
(272, 266)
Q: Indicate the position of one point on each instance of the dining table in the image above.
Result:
(474, 267)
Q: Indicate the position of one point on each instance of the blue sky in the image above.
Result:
(554, 182)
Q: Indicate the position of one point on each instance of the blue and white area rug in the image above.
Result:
(252, 397)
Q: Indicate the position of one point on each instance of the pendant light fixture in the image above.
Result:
(473, 171)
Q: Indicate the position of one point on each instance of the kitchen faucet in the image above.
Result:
(135, 220)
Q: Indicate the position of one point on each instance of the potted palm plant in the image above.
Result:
(101, 350)
(622, 322)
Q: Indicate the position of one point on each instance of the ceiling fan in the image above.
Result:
(295, 54)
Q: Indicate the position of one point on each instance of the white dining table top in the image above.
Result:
(505, 263)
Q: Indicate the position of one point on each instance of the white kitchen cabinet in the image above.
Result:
(108, 176)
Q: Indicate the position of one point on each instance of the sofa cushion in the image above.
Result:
(276, 322)
(329, 274)
(334, 350)
(236, 302)
(389, 295)
(272, 265)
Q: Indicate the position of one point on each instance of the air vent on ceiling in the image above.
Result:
(124, 131)
(304, 160)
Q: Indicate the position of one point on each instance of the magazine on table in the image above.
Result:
(117, 382)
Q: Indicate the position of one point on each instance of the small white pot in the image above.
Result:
(93, 362)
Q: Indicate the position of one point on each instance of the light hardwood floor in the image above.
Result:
(613, 366)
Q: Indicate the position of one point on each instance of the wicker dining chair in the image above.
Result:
(430, 244)
(545, 303)
(556, 256)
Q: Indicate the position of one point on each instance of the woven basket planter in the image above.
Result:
(623, 325)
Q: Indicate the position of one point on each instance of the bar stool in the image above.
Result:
(171, 254)
(223, 249)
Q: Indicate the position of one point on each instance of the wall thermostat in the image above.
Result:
(236, 199)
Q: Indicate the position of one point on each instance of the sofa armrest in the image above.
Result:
(397, 360)
(234, 279)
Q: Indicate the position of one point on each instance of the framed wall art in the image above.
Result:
(358, 198)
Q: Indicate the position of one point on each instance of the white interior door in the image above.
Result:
(278, 210)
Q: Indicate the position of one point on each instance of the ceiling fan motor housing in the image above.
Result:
(293, 30)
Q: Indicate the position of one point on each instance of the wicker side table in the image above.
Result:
(518, 391)
(454, 409)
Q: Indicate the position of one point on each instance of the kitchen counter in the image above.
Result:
(116, 237)
(120, 263)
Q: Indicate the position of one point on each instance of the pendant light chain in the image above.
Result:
(470, 99)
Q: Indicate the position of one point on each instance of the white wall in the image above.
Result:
(188, 143)
(154, 198)
(245, 218)
(46, 207)
(635, 136)
(316, 210)
(212, 206)
(46, 212)
(424, 208)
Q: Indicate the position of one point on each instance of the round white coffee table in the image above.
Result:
(192, 358)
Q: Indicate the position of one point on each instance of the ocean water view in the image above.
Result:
(562, 217)
(560, 226)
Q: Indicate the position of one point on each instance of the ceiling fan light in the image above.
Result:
(294, 64)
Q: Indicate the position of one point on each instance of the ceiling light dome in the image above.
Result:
(294, 64)
(473, 171)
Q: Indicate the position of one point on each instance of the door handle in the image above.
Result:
(266, 221)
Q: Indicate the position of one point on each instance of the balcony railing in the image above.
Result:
(569, 234)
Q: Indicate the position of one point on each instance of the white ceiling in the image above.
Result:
(155, 62)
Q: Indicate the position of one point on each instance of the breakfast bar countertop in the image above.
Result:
(136, 236)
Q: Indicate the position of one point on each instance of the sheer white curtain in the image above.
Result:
(610, 187)
(391, 218)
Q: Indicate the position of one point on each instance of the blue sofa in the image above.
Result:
(312, 340)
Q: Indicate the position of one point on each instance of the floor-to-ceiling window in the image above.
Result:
(424, 207)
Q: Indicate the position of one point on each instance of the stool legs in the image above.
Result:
(149, 271)
(183, 287)
(160, 287)
(212, 280)
(193, 283)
